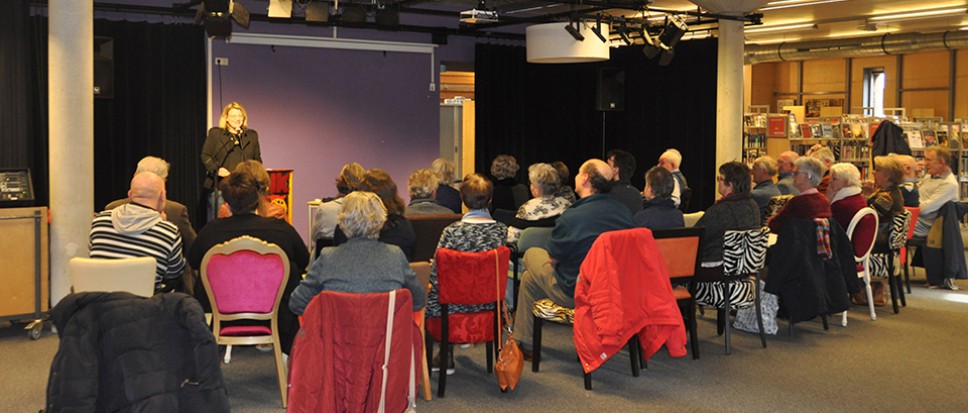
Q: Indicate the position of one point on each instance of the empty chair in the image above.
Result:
(467, 278)
(244, 279)
(680, 249)
(134, 275)
(691, 218)
(863, 243)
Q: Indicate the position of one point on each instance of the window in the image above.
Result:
(874, 80)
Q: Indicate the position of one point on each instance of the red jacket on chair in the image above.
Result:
(624, 290)
(337, 358)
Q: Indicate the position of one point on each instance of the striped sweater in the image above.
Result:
(133, 230)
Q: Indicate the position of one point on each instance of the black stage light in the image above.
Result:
(598, 29)
(666, 57)
(675, 27)
(216, 6)
(651, 50)
(317, 12)
(218, 25)
(388, 18)
(573, 31)
(354, 14)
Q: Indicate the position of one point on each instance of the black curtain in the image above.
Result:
(158, 106)
(158, 109)
(544, 113)
(23, 94)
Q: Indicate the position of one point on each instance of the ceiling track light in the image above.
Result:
(925, 14)
(598, 29)
(786, 4)
(623, 32)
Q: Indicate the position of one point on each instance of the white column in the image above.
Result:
(71, 122)
(729, 97)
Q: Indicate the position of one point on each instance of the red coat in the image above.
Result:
(805, 206)
(844, 210)
(623, 290)
(337, 358)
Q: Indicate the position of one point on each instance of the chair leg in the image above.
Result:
(900, 288)
(843, 320)
(907, 266)
(693, 333)
(588, 381)
(870, 293)
(280, 371)
(891, 283)
(517, 289)
(429, 348)
(536, 345)
(228, 354)
(444, 355)
(759, 309)
(727, 306)
(634, 355)
(823, 319)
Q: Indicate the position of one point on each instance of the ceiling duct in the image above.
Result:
(886, 44)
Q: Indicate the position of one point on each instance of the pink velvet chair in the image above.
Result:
(244, 279)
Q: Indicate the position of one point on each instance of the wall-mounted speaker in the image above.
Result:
(611, 89)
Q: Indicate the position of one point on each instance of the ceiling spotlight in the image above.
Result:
(666, 57)
(651, 50)
(674, 28)
(573, 31)
(623, 33)
(598, 29)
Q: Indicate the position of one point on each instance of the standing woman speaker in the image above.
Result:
(227, 145)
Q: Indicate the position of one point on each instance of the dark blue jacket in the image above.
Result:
(659, 214)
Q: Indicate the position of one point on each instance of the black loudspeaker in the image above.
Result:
(216, 6)
(103, 67)
(611, 89)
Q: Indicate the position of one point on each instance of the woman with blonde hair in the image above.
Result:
(446, 195)
(226, 146)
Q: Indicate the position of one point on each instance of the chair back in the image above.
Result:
(245, 277)
(533, 237)
(133, 275)
(691, 218)
(863, 243)
(685, 197)
(468, 278)
(427, 229)
(744, 252)
(680, 249)
(899, 229)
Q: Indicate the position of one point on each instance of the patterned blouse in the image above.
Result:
(469, 236)
(538, 208)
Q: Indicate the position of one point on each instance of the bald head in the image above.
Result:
(147, 188)
(784, 162)
(909, 163)
(594, 177)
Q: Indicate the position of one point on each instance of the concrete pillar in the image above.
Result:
(71, 122)
(729, 97)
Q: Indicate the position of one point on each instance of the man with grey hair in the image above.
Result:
(174, 212)
(785, 168)
(810, 203)
(938, 187)
(659, 212)
(764, 169)
(827, 158)
(552, 272)
(671, 159)
(138, 229)
(422, 186)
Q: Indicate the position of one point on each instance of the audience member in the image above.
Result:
(544, 186)
(810, 203)
(826, 157)
(785, 168)
(446, 195)
(175, 212)
(938, 187)
(764, 169)
(659, 212)
(736, 210)
(671, 159)
(267, 208)
(887, 201)
(349, 180)
(552, 272)
(241, 192)
(475, 232)
(846, 199)
(139, 229)
(623, 166)
(909, 184)
(422, 185)
(508, 193)
(397, 230)
(362, 264)
(564, 189)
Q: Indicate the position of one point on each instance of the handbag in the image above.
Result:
(509, 361)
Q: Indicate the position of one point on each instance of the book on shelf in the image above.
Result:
(827, 130)
(929, 137)
(805, 131)
(942, 137)
(914, 139)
